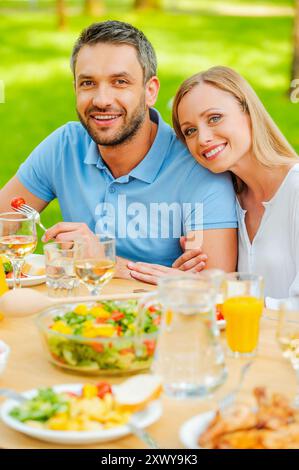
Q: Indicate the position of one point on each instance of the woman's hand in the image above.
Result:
(150, 273)
(192, 260)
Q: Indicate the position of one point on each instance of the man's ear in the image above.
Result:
(151, 91)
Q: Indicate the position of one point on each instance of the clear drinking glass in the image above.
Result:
(95, 261)
(17, 239)
(189, 356)
(288, 335)
(216, 277)
(60, 269)
(242, 309)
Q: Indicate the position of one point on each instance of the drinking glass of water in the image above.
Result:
(60, 269)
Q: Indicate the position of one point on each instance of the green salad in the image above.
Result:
(105, 337)
(46, 404)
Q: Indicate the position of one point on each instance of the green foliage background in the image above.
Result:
(34, 63)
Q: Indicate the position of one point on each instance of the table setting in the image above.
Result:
(205, 341)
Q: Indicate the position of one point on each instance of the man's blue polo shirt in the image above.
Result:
(165, 196)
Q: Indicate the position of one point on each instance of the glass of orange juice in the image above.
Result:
(242, 309)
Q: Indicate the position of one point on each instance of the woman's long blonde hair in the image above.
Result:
(269, 145)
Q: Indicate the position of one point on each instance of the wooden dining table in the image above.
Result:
(29, 368)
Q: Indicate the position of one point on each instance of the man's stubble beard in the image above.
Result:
(127, 131)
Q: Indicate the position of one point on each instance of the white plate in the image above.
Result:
(38, 261)
(142, 419)
(191, 429)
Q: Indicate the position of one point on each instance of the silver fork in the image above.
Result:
(229, 399)
(6, 392)
(136, 430)
(25, 209)
(143, 435)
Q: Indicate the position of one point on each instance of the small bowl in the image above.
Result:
(100, 355)
(4, 354)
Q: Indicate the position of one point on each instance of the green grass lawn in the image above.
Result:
(38, 84)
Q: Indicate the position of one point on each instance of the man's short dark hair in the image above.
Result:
(118, 32)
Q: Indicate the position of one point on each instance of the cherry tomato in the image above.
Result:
(98, 347)
(125, 351)
(16, 202)
(157, 321)
(103, 389)
(116, 315)
(101, 320)
(219, 314)
(119, 330)
(150, 346)
(153, 308)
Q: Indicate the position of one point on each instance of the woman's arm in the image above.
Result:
(220, 247)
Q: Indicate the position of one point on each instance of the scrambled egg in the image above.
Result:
(87, 413)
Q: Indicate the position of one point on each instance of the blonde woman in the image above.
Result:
(225, 126)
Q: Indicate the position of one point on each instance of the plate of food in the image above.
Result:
(273, 424)
(33, 272)
(85, 414)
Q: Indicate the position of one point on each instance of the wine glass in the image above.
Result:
(95, 261)
(288, 335)
(17, 239)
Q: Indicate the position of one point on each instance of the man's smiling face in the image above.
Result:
(110, 92)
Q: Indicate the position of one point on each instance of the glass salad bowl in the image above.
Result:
(100, 338)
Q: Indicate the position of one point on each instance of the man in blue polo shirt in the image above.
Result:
(121, 170)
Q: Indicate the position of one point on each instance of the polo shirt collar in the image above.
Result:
(149, 167)
(92, 155)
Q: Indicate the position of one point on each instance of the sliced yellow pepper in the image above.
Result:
(61, 327)
(89, 391)
(101, 330)
(58, 422)
(81, 309)
(99, 312)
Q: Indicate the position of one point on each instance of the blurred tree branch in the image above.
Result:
(94, 7)
(295, 64)
(61, 14)
(155, 4)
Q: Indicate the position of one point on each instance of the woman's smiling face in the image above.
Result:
(216, 129)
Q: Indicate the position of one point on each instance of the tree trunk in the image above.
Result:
(154, 4)
(295, 64)
(61, 14)
(93, 7)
